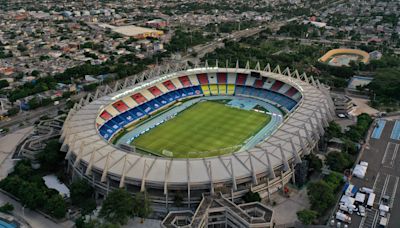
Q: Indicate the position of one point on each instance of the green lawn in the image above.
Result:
(202, 131)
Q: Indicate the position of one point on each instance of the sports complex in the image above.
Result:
(194, 131)
(343, 57)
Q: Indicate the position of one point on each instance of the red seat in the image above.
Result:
(169, 85)
(139, 98)
(203, 79)
(276, 86)
(120, 106)
(185, 81)
(221, 77)
(258, 83)
(241, 79)
(292, 91)
(105, 115)
(155, 91)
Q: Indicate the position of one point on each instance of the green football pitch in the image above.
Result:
(205, 129)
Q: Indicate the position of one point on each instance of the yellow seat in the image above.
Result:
(222, 89)
(206, 90)
(214, 89)
(231, 89)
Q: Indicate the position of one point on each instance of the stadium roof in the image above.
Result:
(296, 135)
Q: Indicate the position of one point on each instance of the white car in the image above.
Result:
(341, 115)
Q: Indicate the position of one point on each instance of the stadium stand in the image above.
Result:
(276, 86)
(129, 101)
(131, 108)
(268, 83)
(112, 111)
(231, 79)
(230, 89)
(291, 92)
(177, 83)
(296, 96)
(203, 79)
(155, 91)
(169, 85)
(221, 78)
(120, 106)
(139, 98)
(105, 115)
(193, 79)
(214, 89)
(241, 79)
(222, 89)
(185, 81)
(284, 88)
(259, 83)
(147, 94)
(250, 81)
(212, 78)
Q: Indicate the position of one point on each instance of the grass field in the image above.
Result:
(203, 130)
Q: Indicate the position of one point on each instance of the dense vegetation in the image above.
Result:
(386, 87)
(27, 184)
(182, 40)
(307, 216)
(322, 193)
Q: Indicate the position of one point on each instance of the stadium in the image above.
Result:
(343, 57)
(193, 131)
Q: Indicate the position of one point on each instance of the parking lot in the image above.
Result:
(382, 154)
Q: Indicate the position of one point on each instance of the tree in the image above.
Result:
(12, 111)
(7, 208)
(307, 216)
(252, 197)
(321, 196)
(338, 161)
(55, 206)
(315, 163)
(4, 83)
(118, 207)
(82, 196)
(51, 156)
(335, 180)
(31, 194)
(334, 130)
(142, 205)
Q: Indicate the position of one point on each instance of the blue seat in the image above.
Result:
(146, 108)
(128, 116)
(137, 112)
(197, 90)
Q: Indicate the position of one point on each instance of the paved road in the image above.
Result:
(382, 176)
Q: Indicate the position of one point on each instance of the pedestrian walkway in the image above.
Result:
(376, 134)
(396, 131)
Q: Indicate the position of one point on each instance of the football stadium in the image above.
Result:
(178, 130)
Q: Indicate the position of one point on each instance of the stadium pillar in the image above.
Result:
(166, 200)
(269, 193)
(293, 176)
(282, 181)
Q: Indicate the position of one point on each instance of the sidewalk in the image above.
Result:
(8, 143)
